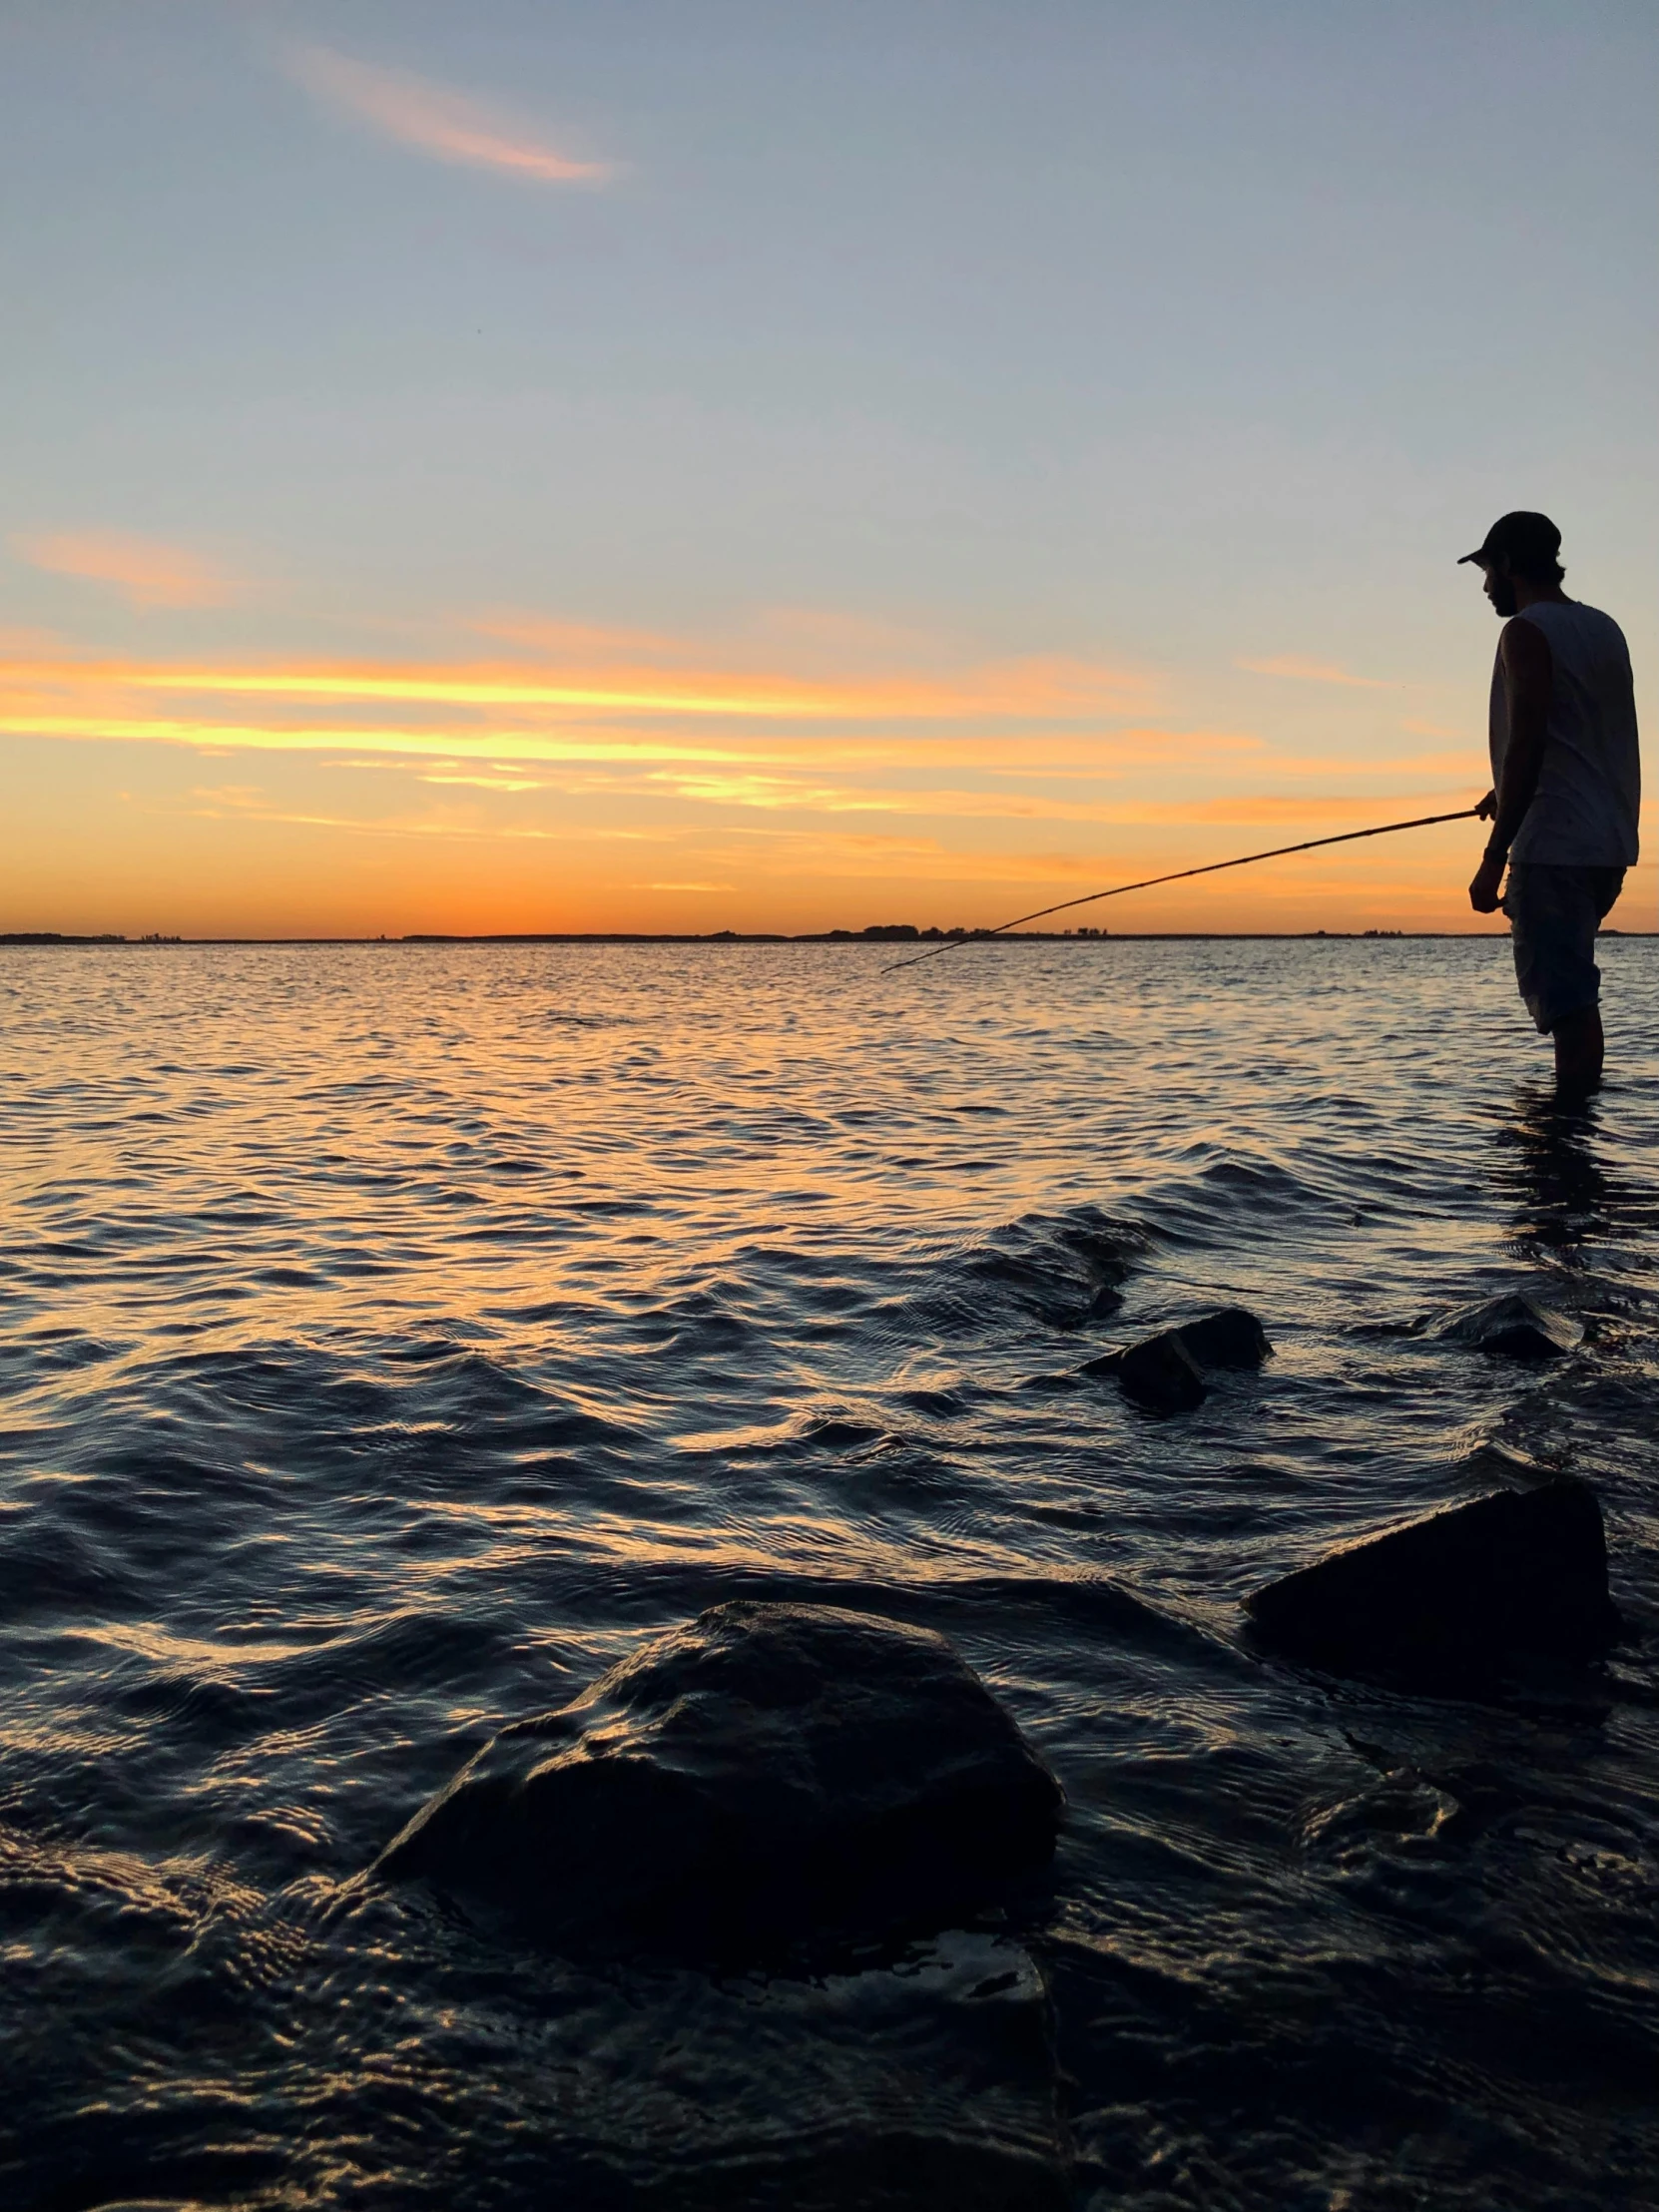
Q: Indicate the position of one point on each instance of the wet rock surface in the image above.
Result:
(1510, 1328)
(766, 1775)
(1165, 1373)
(1230, 1338)
(1161, 1374)
(1455, 1595)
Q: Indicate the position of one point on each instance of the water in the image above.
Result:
(396, 1337)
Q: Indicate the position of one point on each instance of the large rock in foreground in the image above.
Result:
(764, 1773)
(1455, 1594)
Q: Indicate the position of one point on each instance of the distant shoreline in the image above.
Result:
(49, 941)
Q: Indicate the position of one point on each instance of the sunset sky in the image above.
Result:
(690, 464)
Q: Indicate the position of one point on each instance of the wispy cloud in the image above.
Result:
(1301, 671)
(1002, 745)
(433, 118)
(485, 782)
(1287, 808)
(146, 571)
(1036, 691)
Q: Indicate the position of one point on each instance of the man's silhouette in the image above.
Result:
(1566, 787)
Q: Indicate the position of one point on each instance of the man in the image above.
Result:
(1566, 787)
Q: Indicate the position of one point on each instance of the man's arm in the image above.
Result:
(1528, 680)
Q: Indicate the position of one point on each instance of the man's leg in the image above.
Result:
(1554, 912)
(1579, 1046)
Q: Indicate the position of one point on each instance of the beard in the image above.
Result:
(1503, 598)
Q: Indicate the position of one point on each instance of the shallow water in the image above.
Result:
(394, 1336)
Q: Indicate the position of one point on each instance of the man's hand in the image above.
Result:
(1487, 807)
(1484, 891)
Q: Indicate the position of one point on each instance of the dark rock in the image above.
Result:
(1161, 1374)
(1455, 1594)
(1164, 1373)
(1510, 1328)
(766, 1773)
(1109, 1362)
(1232, 1338)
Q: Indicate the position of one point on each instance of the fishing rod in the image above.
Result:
(1383, 829)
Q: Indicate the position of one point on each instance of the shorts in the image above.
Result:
(1554, 913)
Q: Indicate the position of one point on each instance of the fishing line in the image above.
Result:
(1383, 829)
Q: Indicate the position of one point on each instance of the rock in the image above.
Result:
(766, 1773)
(1458, 1593)
(1109, 1362)
(1510, 1328)
(1232, 1338)
(1161, 1374)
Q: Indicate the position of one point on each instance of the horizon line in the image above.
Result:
(878, 938)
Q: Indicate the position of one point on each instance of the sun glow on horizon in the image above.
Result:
(743, 773)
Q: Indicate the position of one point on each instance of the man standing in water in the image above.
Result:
(1567, 783)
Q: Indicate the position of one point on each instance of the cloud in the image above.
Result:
(435, 121)
(1282, 806)
(1032, 690)
(493, 783)
(1000, 745)
(1303, 671)
(147, 571)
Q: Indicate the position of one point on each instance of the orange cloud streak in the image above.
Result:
(1033, 689)
(146, 571)
(436, 121)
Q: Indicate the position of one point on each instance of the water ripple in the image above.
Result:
(397, 1336)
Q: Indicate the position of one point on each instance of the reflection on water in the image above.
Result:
(1551, 1169)
(394, 1337)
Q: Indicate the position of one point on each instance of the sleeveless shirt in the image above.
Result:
(1583, 813)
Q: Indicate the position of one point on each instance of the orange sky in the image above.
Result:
(806, 774)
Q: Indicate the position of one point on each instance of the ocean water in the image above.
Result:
(393, 1337)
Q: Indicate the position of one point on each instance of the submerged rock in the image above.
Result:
(1517, 1572)
(1510, 1328)
(1161, 1374)
(1165, 1373)
(763, 1774)
(1230, 1338)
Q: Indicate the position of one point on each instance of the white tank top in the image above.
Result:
(1590, 785)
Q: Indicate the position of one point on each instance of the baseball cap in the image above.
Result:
(1522, 540)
